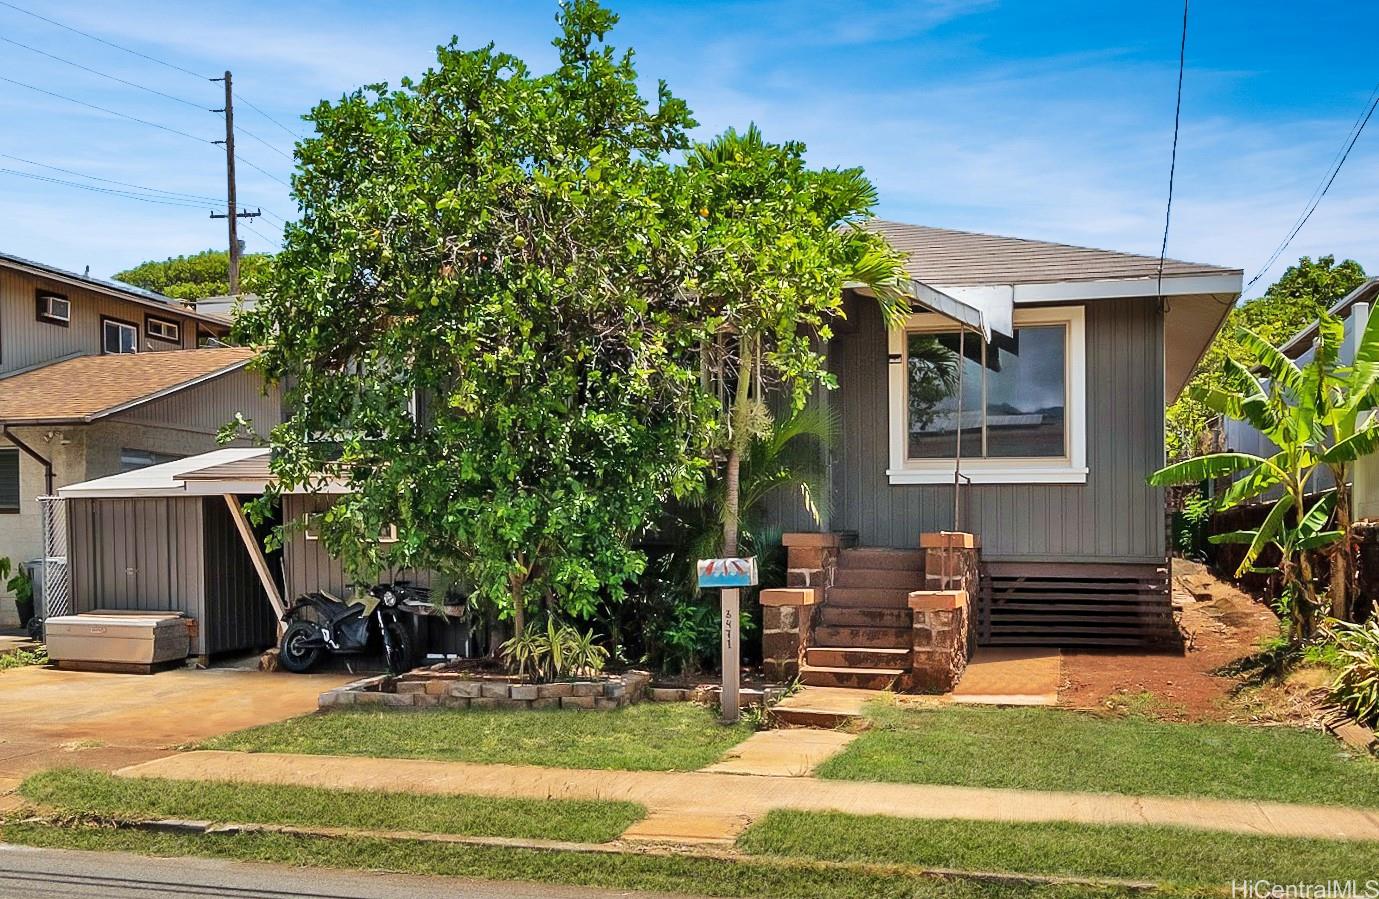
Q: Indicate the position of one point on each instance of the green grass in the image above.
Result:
(22, 658)
(90, 792)
(1048, 749)
(776, 878)
(649, 736)
(1160, 854)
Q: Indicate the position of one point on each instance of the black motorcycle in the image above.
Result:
(318, 623)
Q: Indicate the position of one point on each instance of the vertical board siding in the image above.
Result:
(26, 341)
(141, 554)
(208, 406)
(1115, 516)
(308, 567)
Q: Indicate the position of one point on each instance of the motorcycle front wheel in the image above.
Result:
(295, 652)
(397, 647)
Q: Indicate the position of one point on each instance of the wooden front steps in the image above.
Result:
(862, 635)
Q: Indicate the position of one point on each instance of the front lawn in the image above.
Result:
(764, 877)
(1049, 749)
(649, 736)
(89, 792)
(1159, 854)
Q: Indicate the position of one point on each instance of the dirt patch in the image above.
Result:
(1220, 624)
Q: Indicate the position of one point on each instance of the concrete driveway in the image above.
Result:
(51, 718)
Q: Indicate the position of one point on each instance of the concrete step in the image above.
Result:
(863, 637)
(846, 616)
(868, 597)
(878, 557)
(856, 678)
(857, 657)
(888, 578)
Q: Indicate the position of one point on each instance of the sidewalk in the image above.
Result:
(707, 806)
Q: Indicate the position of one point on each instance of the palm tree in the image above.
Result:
(782, 241)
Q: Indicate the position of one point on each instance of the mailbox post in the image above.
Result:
(729, 576)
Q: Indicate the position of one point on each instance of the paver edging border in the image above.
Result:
(436, 687)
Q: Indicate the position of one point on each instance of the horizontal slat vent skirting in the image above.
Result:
(1101, 605)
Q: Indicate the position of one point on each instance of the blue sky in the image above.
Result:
(1049, 120)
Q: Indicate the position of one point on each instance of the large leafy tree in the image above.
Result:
(475, 320)
(1294, 301)
(198, 276)
(778, 242)
(1319, 416)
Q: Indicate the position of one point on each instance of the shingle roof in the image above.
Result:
(940, 256)
(89, 387)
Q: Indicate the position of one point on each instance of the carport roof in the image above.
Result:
(165, 478)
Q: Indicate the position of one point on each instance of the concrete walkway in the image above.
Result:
(787, 752)
(1011, 675)
(717, 806)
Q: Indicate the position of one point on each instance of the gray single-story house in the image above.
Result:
(1021, 401)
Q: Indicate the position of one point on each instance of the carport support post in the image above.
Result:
(251, 543)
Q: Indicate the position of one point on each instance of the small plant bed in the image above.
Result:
(756, 877)
(91, 793)
(24, 656)
(643, 737)
(1159, 854)
(1050, 749)
(478, 685)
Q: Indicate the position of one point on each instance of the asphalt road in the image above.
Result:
(27, 873)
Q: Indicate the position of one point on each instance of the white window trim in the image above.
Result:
(122, 326)
(1070, 469)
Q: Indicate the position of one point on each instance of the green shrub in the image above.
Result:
(554, 651)
(1356, 687)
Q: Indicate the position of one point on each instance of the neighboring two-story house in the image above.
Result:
(98, 377)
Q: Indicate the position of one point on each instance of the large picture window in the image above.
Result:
(1016, 404)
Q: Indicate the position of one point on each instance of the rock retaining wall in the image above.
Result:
(455, 690)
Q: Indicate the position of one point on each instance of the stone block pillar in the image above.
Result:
(785, 620)
(942, 632)
(812, 557)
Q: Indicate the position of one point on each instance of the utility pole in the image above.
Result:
(232, 212)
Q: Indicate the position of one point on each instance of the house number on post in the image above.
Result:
(729, 575)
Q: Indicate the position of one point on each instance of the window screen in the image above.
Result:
(9, 480)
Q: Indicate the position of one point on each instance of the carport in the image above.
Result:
(148, 540)
(174, 537)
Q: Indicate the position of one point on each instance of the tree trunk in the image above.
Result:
(1340, 553)
(516, 583)
(737, 444)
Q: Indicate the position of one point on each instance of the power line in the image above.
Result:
(247, 133)
(1173, 158)
(201, 198)
(295, 135)
(104, 109)
(128, 195)
(85, 68)
(101, 40)
(265, 238)
(1327, 180)
(262, 171)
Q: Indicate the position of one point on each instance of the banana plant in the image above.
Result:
(1319, 416)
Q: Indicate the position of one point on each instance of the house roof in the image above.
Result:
(1367, 292)
(944, 257)
(246, 467)
(109, 288)
(82, 389)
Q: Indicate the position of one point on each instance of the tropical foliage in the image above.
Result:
(198, 276)
(1356, 687)
(554, 651)
(478, 321)
(1291, 303)
(778, 242)
(1319, 416)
